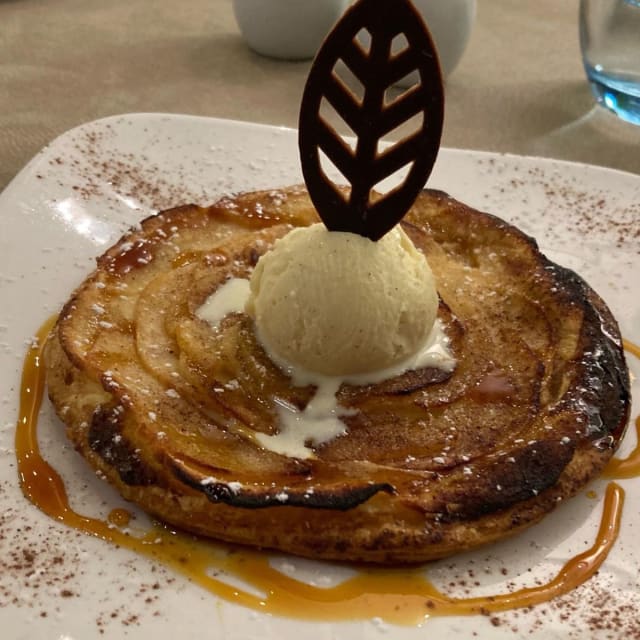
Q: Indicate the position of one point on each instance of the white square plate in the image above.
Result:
(79, 194)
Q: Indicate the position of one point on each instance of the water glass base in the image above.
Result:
(620, 96)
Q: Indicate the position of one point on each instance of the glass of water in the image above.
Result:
(610, 42)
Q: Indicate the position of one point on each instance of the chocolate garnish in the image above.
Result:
(360, 209)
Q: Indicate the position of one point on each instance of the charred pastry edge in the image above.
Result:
(536, 468)
(105, 439)
(610, 394)
(218, 491)
(605, 335)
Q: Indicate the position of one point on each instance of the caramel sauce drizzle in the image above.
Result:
(631, 347)
(629, 467)
(398, 595)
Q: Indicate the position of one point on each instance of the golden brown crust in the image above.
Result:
(166, 407)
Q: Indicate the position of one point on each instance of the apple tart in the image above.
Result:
(432, 462)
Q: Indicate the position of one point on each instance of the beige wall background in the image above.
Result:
(519, 88)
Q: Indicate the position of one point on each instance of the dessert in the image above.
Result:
(432, 461)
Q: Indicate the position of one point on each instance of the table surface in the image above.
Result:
(520, 87)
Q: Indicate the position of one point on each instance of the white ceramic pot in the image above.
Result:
(450, 23)
(287, 29)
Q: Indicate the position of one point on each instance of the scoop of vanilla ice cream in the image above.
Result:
(340, 304)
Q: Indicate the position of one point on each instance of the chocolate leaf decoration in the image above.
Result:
(359, 209)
